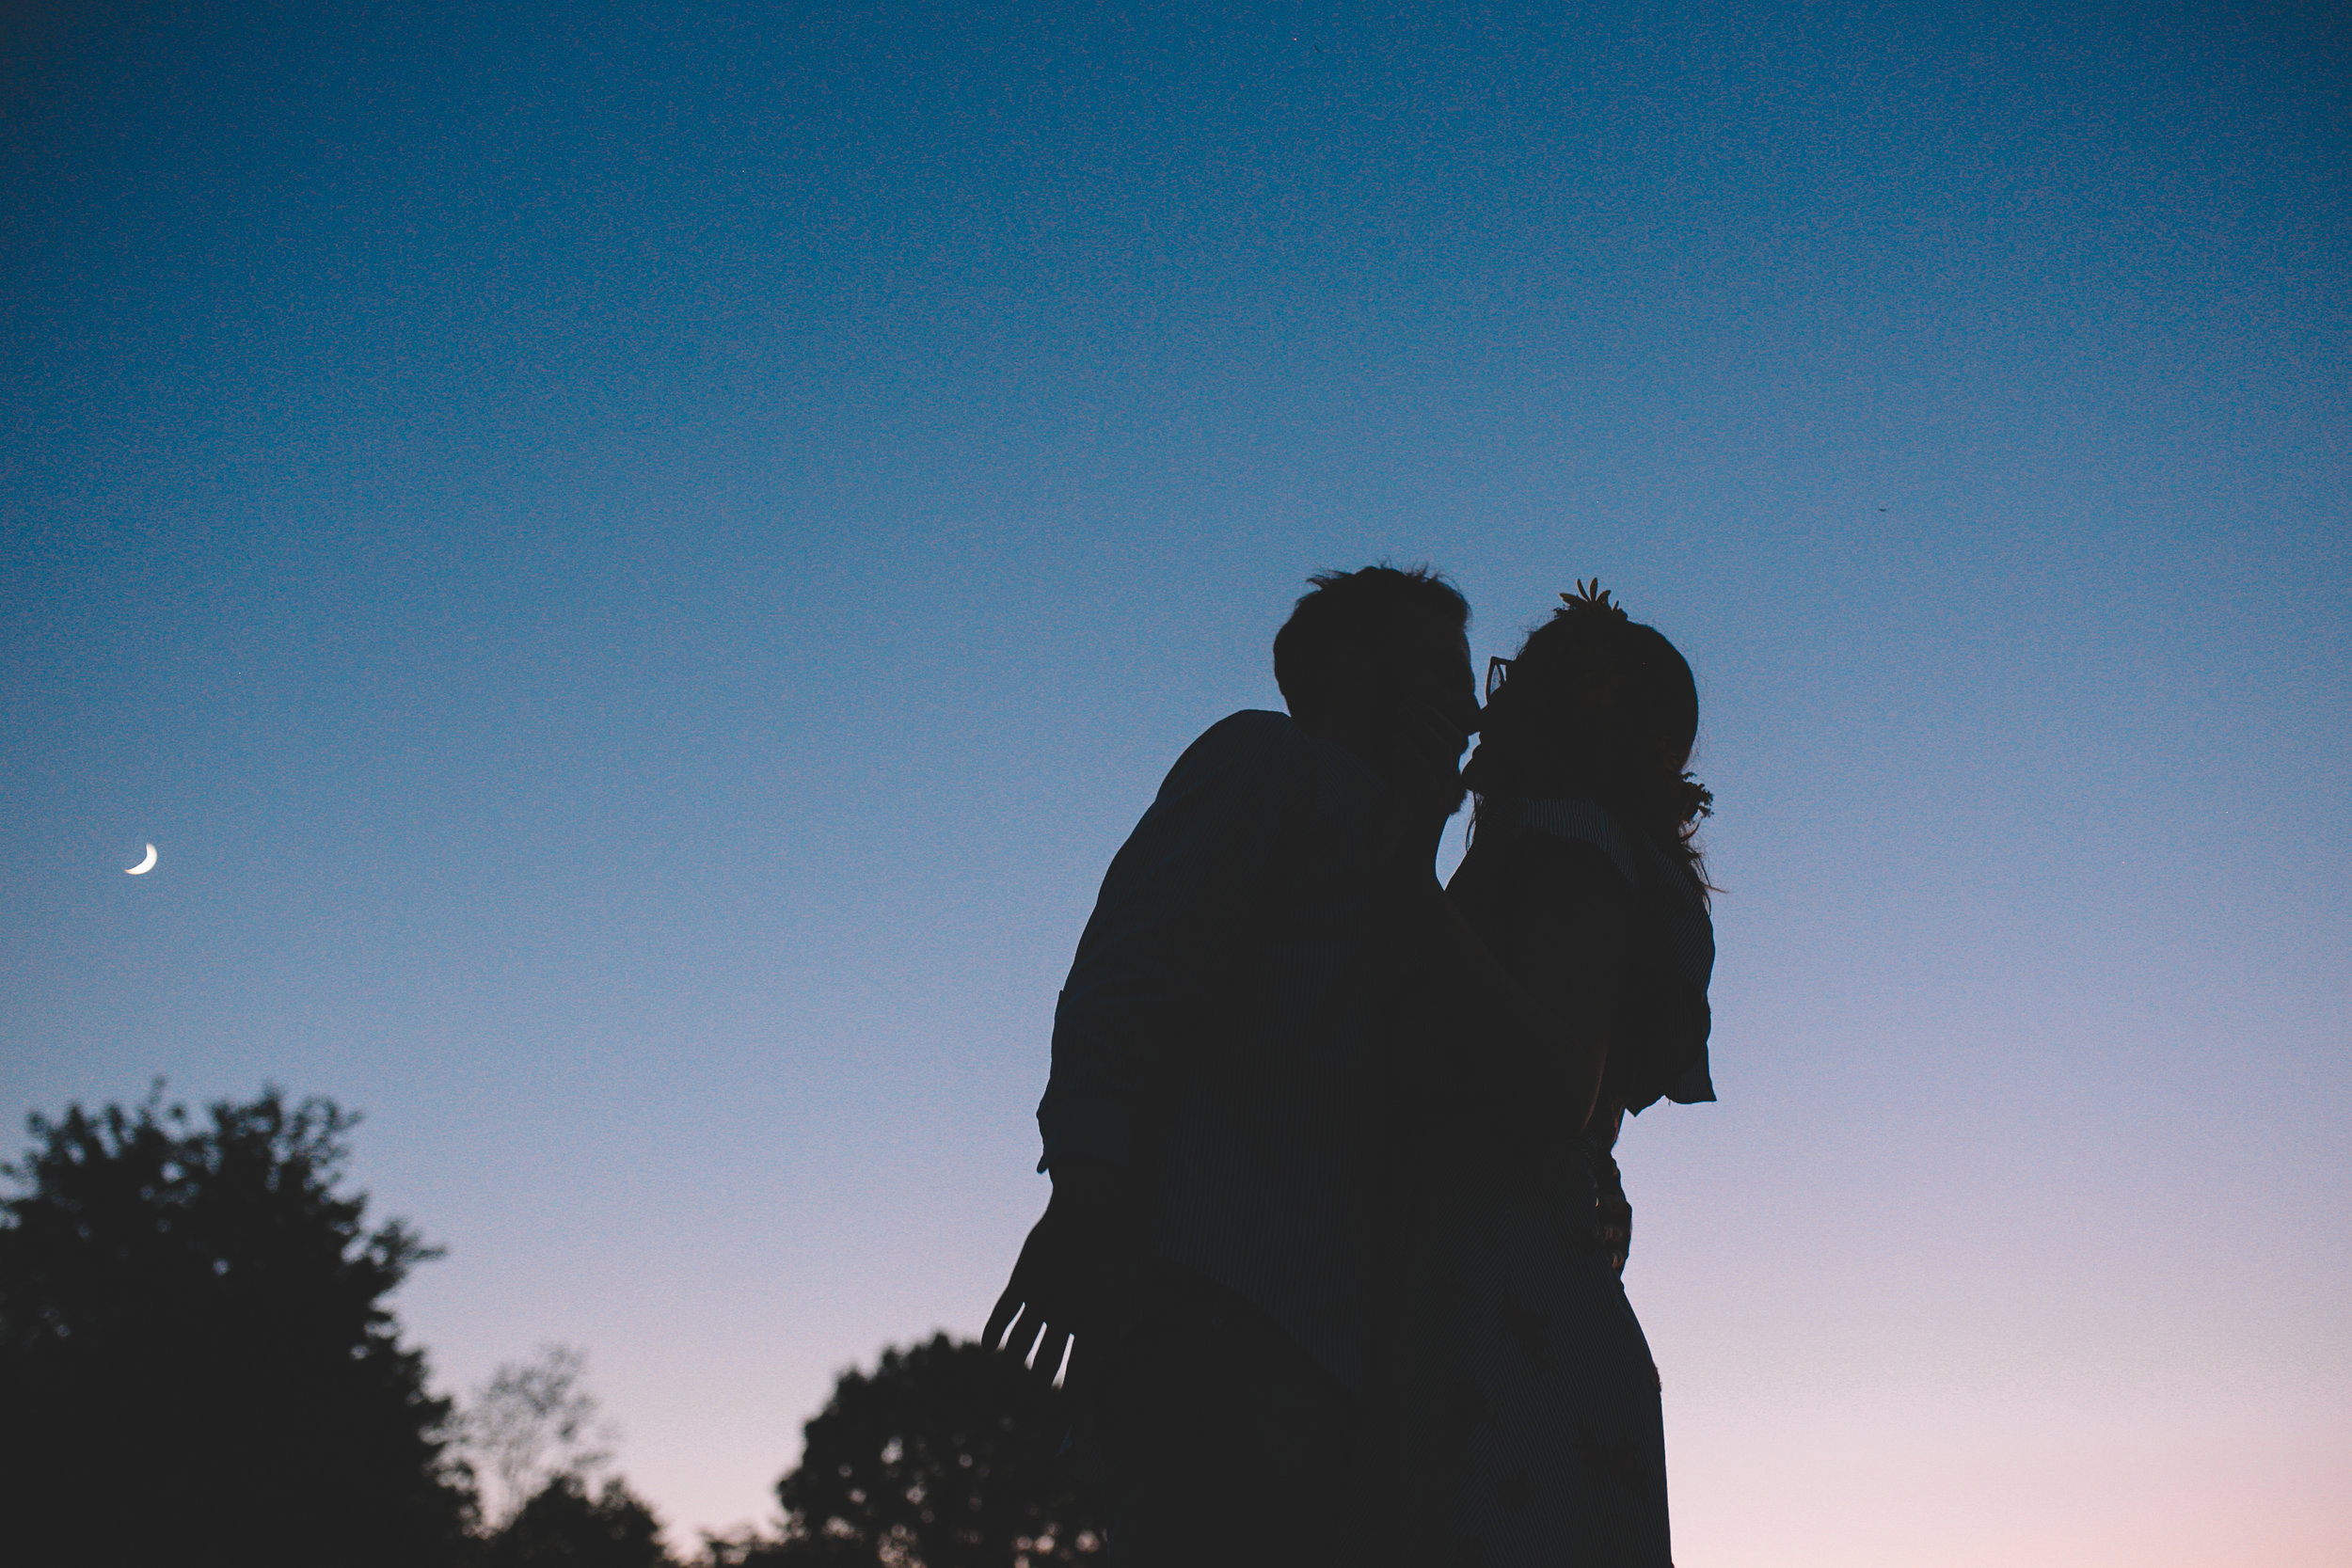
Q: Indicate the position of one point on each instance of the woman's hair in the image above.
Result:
(1601, 706)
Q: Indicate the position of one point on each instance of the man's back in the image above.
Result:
(1216, 1037)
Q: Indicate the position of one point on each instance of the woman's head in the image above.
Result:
(1599, 705)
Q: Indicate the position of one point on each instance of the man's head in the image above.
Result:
(1377, 660)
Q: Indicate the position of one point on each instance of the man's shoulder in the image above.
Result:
(1254, 750)
(1252, 739)
(1255, 726)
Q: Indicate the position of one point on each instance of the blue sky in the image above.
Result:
(637, 564)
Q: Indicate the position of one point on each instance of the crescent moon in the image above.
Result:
(143, 866)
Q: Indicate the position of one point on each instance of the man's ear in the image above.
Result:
(1354, 667)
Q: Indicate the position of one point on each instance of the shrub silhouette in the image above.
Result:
(946, 1455)
(563, 1527)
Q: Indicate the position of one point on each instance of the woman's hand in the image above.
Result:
(1068, 1284)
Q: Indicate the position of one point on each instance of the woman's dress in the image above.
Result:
(1520, 1390)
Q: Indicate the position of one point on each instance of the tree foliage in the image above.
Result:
(196, 1360)
(197, 1367)
(946, 1455)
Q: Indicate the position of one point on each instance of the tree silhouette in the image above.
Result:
(532, 1423)
(947, 1456)
(196, 1362)
(562, 1527)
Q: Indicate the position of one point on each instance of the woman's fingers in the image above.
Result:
(1000, 1320)
(1052, 1344)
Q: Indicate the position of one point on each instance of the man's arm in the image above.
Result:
(1181, 893)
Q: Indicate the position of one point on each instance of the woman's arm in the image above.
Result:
(1570, 946)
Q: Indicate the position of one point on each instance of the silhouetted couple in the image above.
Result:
(1335, 1223)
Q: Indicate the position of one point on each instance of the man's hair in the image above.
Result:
(1375, 609)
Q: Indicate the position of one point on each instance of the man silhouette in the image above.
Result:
(1214, 1117)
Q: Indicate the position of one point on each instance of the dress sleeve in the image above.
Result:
(1666, 1021)
(1187, 883)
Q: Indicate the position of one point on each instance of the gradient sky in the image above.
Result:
(636, 562)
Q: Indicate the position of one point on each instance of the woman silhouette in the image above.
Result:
(1524, 1403)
